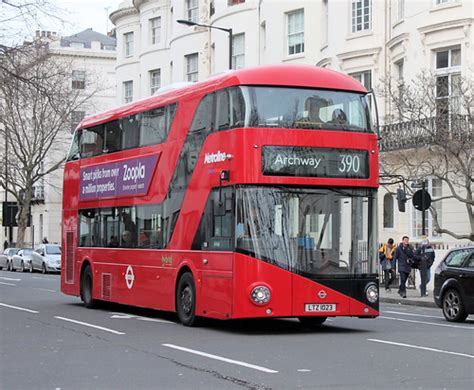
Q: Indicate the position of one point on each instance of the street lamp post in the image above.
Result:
(227, 30)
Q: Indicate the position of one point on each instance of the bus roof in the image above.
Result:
(289, 75)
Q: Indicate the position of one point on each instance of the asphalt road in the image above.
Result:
(49, 341)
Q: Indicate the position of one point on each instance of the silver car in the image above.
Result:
(22, 260)
(6, 258)
(47, 258)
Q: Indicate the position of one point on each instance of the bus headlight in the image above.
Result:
(372, 293)
(260, 295)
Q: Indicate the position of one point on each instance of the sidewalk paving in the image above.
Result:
(413, 297)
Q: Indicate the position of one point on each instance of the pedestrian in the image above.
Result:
(386, 261)
(402, 257)
(5, 245)
(425, 255)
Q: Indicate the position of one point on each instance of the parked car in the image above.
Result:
(454, 284)
(6, 258)
(22, 260)
(47, 258)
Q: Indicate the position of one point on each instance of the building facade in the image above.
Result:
(377, 42)
(92, 57)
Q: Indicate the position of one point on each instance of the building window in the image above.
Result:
(434, 187)
(192, 10)
(192, 67)
(448, 83)
(127, 91)
(76, 117)
(361, 15)
(365, 78)
(155, 30)
(78, 79)
(128, 44)
(399, 10)
(388, 211)
(296, 32)
(238, 51)
(77, 45)
(155, 80)
(234, 2)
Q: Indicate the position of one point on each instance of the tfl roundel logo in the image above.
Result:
(322, 294)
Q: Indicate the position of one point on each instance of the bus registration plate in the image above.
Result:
(319, 307)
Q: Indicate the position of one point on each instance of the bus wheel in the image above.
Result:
(86, 288)
(186, 299)
(311, 322)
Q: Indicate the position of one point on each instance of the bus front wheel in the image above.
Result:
(311, 322)
(186, 299)
(86, 288)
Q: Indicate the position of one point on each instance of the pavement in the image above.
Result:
(413, 297)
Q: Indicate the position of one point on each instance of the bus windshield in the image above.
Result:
(306, 109)
(313, 232)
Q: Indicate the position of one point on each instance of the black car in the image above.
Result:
(454, 284)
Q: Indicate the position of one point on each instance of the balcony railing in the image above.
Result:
(425, 132)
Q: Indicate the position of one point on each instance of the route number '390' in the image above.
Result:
(349, 163)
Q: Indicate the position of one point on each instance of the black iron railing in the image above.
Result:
(425, 132)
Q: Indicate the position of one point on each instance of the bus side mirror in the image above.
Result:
(401, 200)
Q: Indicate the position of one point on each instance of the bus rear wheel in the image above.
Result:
(186, 299)
(86, 288)
(312, 322)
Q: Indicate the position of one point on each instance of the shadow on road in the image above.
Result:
(253, 326)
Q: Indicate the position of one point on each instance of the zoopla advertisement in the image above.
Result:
(120, 178)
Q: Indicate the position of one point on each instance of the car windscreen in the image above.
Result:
(53, 250)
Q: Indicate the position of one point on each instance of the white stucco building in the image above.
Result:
(368, 39)
(92, 56)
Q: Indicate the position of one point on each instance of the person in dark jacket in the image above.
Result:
(425, 256)
(403, 252)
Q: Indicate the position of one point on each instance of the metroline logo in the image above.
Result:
(210, 158)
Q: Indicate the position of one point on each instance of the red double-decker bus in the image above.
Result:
(250, 194)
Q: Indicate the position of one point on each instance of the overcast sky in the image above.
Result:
(67, 17)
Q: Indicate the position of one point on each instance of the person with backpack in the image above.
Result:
(425, 256)
(403, 257)
(386, 252)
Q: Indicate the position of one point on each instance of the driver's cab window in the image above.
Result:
(215, 231)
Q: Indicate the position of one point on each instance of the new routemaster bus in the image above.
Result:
(250, 194)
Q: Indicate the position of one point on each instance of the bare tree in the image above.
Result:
(18, 18)
(431, 135)
(36, 103)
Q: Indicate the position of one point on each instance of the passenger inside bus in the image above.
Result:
(127, 239)
(312, 115)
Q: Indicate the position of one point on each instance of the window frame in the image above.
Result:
(155, 30)
(191, 10)
(238, 57)
(153, 86)
(294, 34)
(128, 40)
(191, 75)
(127, 86)
(354, 4)
(78, 79)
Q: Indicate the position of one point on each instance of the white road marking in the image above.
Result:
(43, 289)
(303, 370)
(19, 308)
(413, 315)
(125, 316)
(8, 284)
(427, 323)
(223, 359)
(423, 348)
(10, 279)
(90, 325)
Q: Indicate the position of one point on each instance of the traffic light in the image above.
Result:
(401, 200)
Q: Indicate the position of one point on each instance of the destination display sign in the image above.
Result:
(315, 162)
(120, 178)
